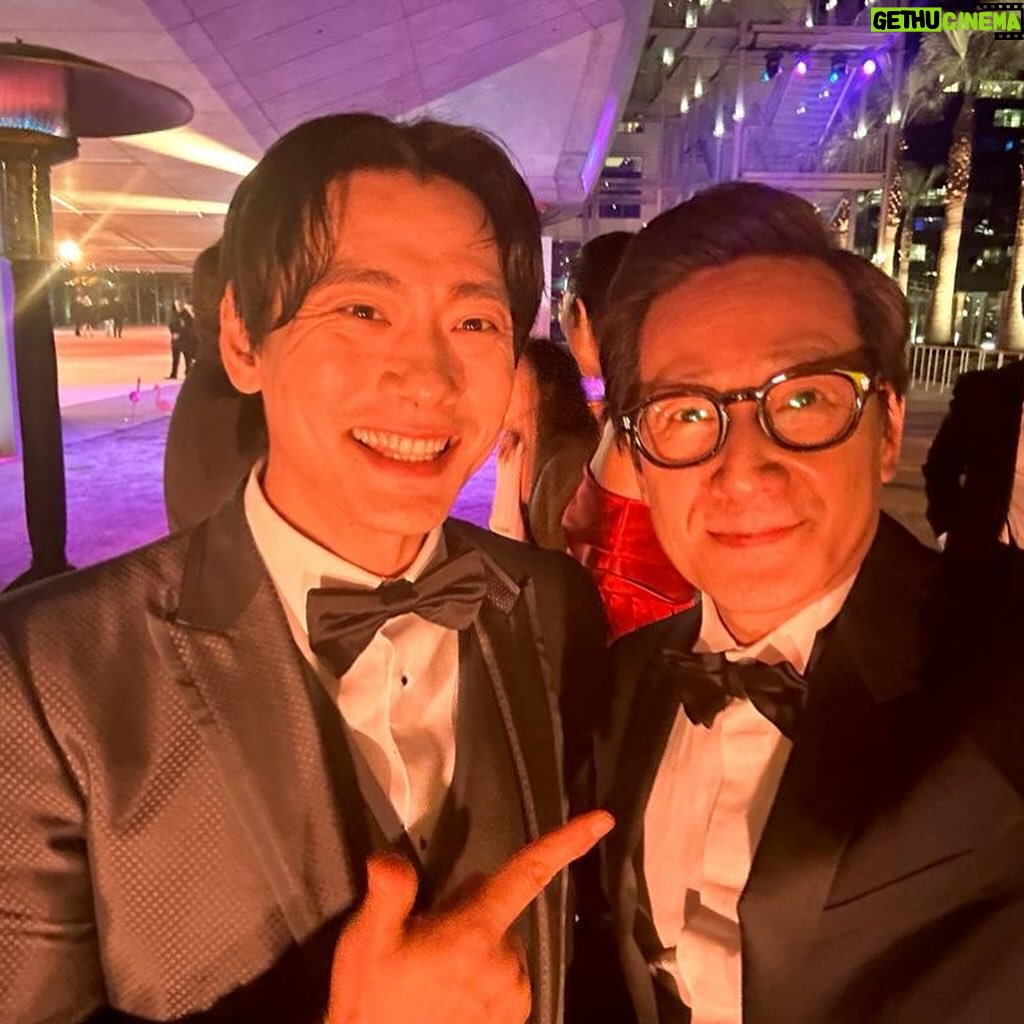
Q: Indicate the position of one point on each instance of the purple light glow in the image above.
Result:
(801, 67)
(870, 66)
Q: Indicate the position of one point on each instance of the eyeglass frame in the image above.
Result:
(865, 385)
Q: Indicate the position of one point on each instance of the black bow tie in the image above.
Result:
(707, 682)
(343, 620)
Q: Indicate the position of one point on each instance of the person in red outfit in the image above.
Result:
(607, 525)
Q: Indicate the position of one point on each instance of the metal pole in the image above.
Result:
(26, 221)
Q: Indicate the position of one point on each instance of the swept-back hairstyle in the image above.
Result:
(716, 227)
(279, 235)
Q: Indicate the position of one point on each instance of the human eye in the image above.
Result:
(687, 413)
(362, 311)
(475, 324)
(805, 398)
(812, 394)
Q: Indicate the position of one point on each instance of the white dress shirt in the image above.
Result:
(708, 807)
(398, 699)
(1013, 529)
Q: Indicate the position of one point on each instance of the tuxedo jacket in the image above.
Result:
(888, 885)
(969, 469)
(180, 834)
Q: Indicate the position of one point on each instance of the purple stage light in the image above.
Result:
(801, 67)
(870, 66)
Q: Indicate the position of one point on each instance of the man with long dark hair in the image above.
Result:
(211, 749)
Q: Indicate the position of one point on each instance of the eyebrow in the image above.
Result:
(347, 273)
(787, 360)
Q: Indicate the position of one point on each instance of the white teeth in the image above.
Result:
(400, 447)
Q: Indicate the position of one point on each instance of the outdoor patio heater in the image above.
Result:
(50, 99)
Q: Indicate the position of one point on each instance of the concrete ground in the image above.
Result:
(115, 410)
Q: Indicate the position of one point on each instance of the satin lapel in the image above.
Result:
(627, 766)
(862, 687)
(241, 677)
(512, 648)
(826, 787)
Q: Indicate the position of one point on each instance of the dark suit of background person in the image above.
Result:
(213, 781)
(893, 858)
(969, 471)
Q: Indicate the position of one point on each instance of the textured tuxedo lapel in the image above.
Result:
(242, 679)
(510, 645)
(863, 684)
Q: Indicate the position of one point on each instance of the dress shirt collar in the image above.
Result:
(297, 564)
(792, 641)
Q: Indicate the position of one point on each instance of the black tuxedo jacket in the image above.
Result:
(888, 885)
(970, 466)
(173, 841)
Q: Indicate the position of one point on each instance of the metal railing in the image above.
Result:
(936, 367)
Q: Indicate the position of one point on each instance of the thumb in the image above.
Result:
(377, 926)
(391, 885)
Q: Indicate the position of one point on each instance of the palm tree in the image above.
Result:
(914, 184)
(964, 59)
(891, 103)
(1011, 325)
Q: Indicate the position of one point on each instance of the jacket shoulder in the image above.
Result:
(97, 591)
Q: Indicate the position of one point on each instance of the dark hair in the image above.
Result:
(279, 233)
(716, 227)
(207, 290)
(562, 408)
(591, 269)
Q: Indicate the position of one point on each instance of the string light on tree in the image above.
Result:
(698, 87)
(668, 56)
(684, 104)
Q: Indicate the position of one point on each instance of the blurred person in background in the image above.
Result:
(181, 325)
(607, 525)
(974, 470)
(547, 440)
(117, 315)
(216, 433)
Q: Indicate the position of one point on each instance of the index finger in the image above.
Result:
(508, 892)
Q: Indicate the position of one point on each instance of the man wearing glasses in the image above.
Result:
(817, 782)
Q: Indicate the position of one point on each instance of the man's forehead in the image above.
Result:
(758, 364)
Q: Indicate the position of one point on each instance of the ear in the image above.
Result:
(892, 435)
(241, 363)
(582, 342)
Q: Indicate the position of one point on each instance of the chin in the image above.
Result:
(761, 595)
(409, 519)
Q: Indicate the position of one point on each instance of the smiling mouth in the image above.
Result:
(753, 538)
(401, 447)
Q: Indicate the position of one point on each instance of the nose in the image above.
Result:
(424, 369)
(750, 463)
